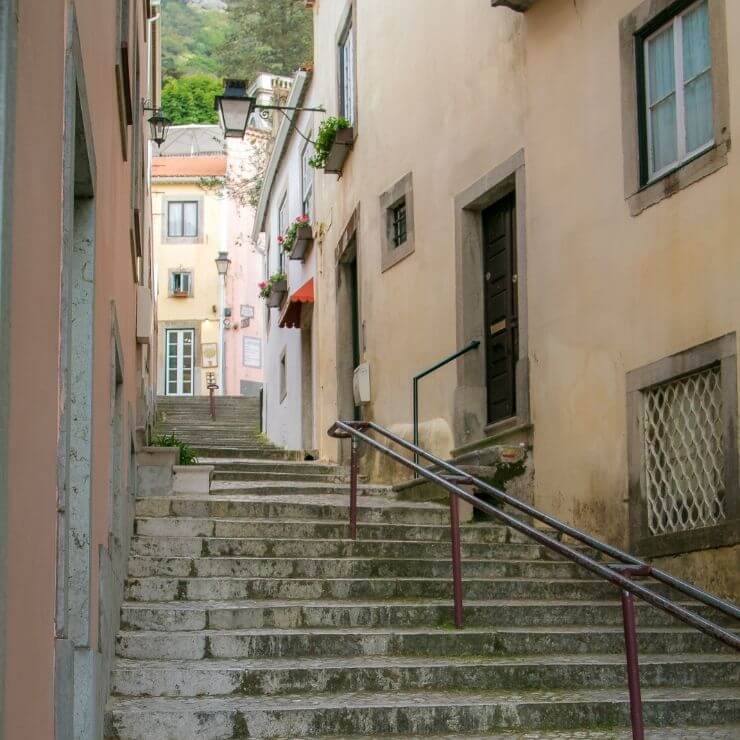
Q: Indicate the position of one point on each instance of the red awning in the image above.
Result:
(291, 318)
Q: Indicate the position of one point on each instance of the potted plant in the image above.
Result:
(298, 238)
(274, 289)
(333, 144)
(189, 477)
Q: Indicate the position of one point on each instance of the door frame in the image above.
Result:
(181, 331)
(471, 395)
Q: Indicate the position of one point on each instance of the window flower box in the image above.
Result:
(303, 242)
(274, 289)
(339, 151)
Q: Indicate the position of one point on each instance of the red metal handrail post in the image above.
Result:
(354, 465)
(456, 560)
(633, 665)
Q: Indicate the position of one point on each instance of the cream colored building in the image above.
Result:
(556, 181)
(197, 216)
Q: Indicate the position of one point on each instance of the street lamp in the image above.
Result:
(159, 125)
(222, 265)
(235, 107)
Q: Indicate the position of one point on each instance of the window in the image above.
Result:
(398, 223)
(397, 208)
(282, 228)
(678, 90)
(283, 377)
(682, 443)
(347, 73)
(181, 283)
(182, 218)
(675, 97)
(307, 180)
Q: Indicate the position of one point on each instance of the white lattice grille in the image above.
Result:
(684, 458)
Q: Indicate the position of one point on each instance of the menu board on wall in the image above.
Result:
(252, 352)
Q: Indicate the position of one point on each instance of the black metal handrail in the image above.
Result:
(619, 574)
(415, 382)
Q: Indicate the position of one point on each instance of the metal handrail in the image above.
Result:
(415, 382)
(618, 574)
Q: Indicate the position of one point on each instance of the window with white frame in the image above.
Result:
(347, 73)
(307, 180)
(679, 122)
(182, 218)
(181, 283)
(282, 228)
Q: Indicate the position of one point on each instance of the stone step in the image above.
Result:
(274, 466)
(311, 477)
(240, 615)
(336, 491)
(430, 642)
(183, 546)
(246, 451)
(140, 567)
(729, 731)
(211, 589)
(273, 677)
(408, 712)
(306, 529)
(260, 505)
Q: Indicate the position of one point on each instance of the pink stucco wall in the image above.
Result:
(43, 27)
(244, 273)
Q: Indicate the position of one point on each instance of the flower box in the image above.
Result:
(278, 292)
(192, 478)
(339, 151)
(303, 242)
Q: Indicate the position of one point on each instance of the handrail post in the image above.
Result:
(354, 465)
(416, 419)
(633, 665)
(456, 560)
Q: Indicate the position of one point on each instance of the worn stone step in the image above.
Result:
(259, 504)
(305, 529)
(268, 677)
(247, 452)
(140, 567)
(174, 546)
(310, 477)
(728, 731)
(274, 466)
(408, 713)
(473, 641)
(281, 614)
(169, 589)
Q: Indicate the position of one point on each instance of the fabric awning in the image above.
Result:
(291, 318)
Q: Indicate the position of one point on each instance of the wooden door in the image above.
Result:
(500, 300)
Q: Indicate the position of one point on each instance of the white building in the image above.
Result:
(290, 342)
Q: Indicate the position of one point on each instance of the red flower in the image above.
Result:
(262, 285)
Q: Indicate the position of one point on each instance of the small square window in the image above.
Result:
(398, 223)
(181, 283)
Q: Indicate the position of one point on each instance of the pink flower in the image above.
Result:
(303, 219)
(262, 285)
(281, 239)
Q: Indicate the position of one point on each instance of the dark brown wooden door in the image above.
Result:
(500, 296)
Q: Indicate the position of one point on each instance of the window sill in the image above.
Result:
(725, 534)
(681, 177)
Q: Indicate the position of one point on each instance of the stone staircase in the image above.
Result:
(249, 614)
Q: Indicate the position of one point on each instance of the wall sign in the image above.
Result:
(252, 352)
(209, 353)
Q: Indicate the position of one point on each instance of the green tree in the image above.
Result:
(190, 99)
(266, 36)
(190, 36)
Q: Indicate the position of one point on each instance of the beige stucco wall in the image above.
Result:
(440, 116)
(608, 292)
(43, 26)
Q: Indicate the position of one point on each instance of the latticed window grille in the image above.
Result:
(684, 453)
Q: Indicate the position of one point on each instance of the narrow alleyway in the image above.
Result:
(249, 613)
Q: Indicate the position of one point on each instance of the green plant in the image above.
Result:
(325, 139)
(266, 286)
(187, 456)
(287, 242)
(191, 99)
